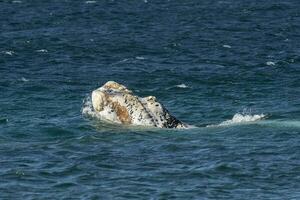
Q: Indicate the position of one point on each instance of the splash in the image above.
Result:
(87, 108)
(241, 119)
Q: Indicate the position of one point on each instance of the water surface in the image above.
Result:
(206, 61)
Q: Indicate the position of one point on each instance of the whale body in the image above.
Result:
(115, 103)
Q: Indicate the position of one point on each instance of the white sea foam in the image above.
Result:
(8, 52)
(91, 2)
(140, 58)
(42, 50)
(270, 63)
(182, 86)
(24, 79)
(227, 46)
(241, 119)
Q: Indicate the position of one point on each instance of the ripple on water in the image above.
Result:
(205, 60)
(3, 120)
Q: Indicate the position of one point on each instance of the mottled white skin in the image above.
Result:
(115, 103)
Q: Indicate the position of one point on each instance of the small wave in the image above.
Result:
(241, 119)
(90, 2)
(42, 50)
(182, 86)
(270, 63)
(3, 120)
(282, 123)
(227, 46)
(140, 58)
(16, 1)
(8, 52)
(121, 61)
(24, 79)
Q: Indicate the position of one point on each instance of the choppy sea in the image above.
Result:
(230, 68)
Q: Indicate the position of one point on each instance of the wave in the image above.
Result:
(282, 123)
(42, 50)
(24, 79)
(8, 52)
(260, 119)
(241, 119)
(270, 63)
(88, 2)
(227, 46)
(3, 120)
(182, 85)
(140, 58)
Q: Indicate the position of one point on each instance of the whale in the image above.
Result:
(116, 103)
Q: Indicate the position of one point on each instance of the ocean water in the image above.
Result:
(230, 68)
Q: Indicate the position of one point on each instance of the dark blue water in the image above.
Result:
(207, 61)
